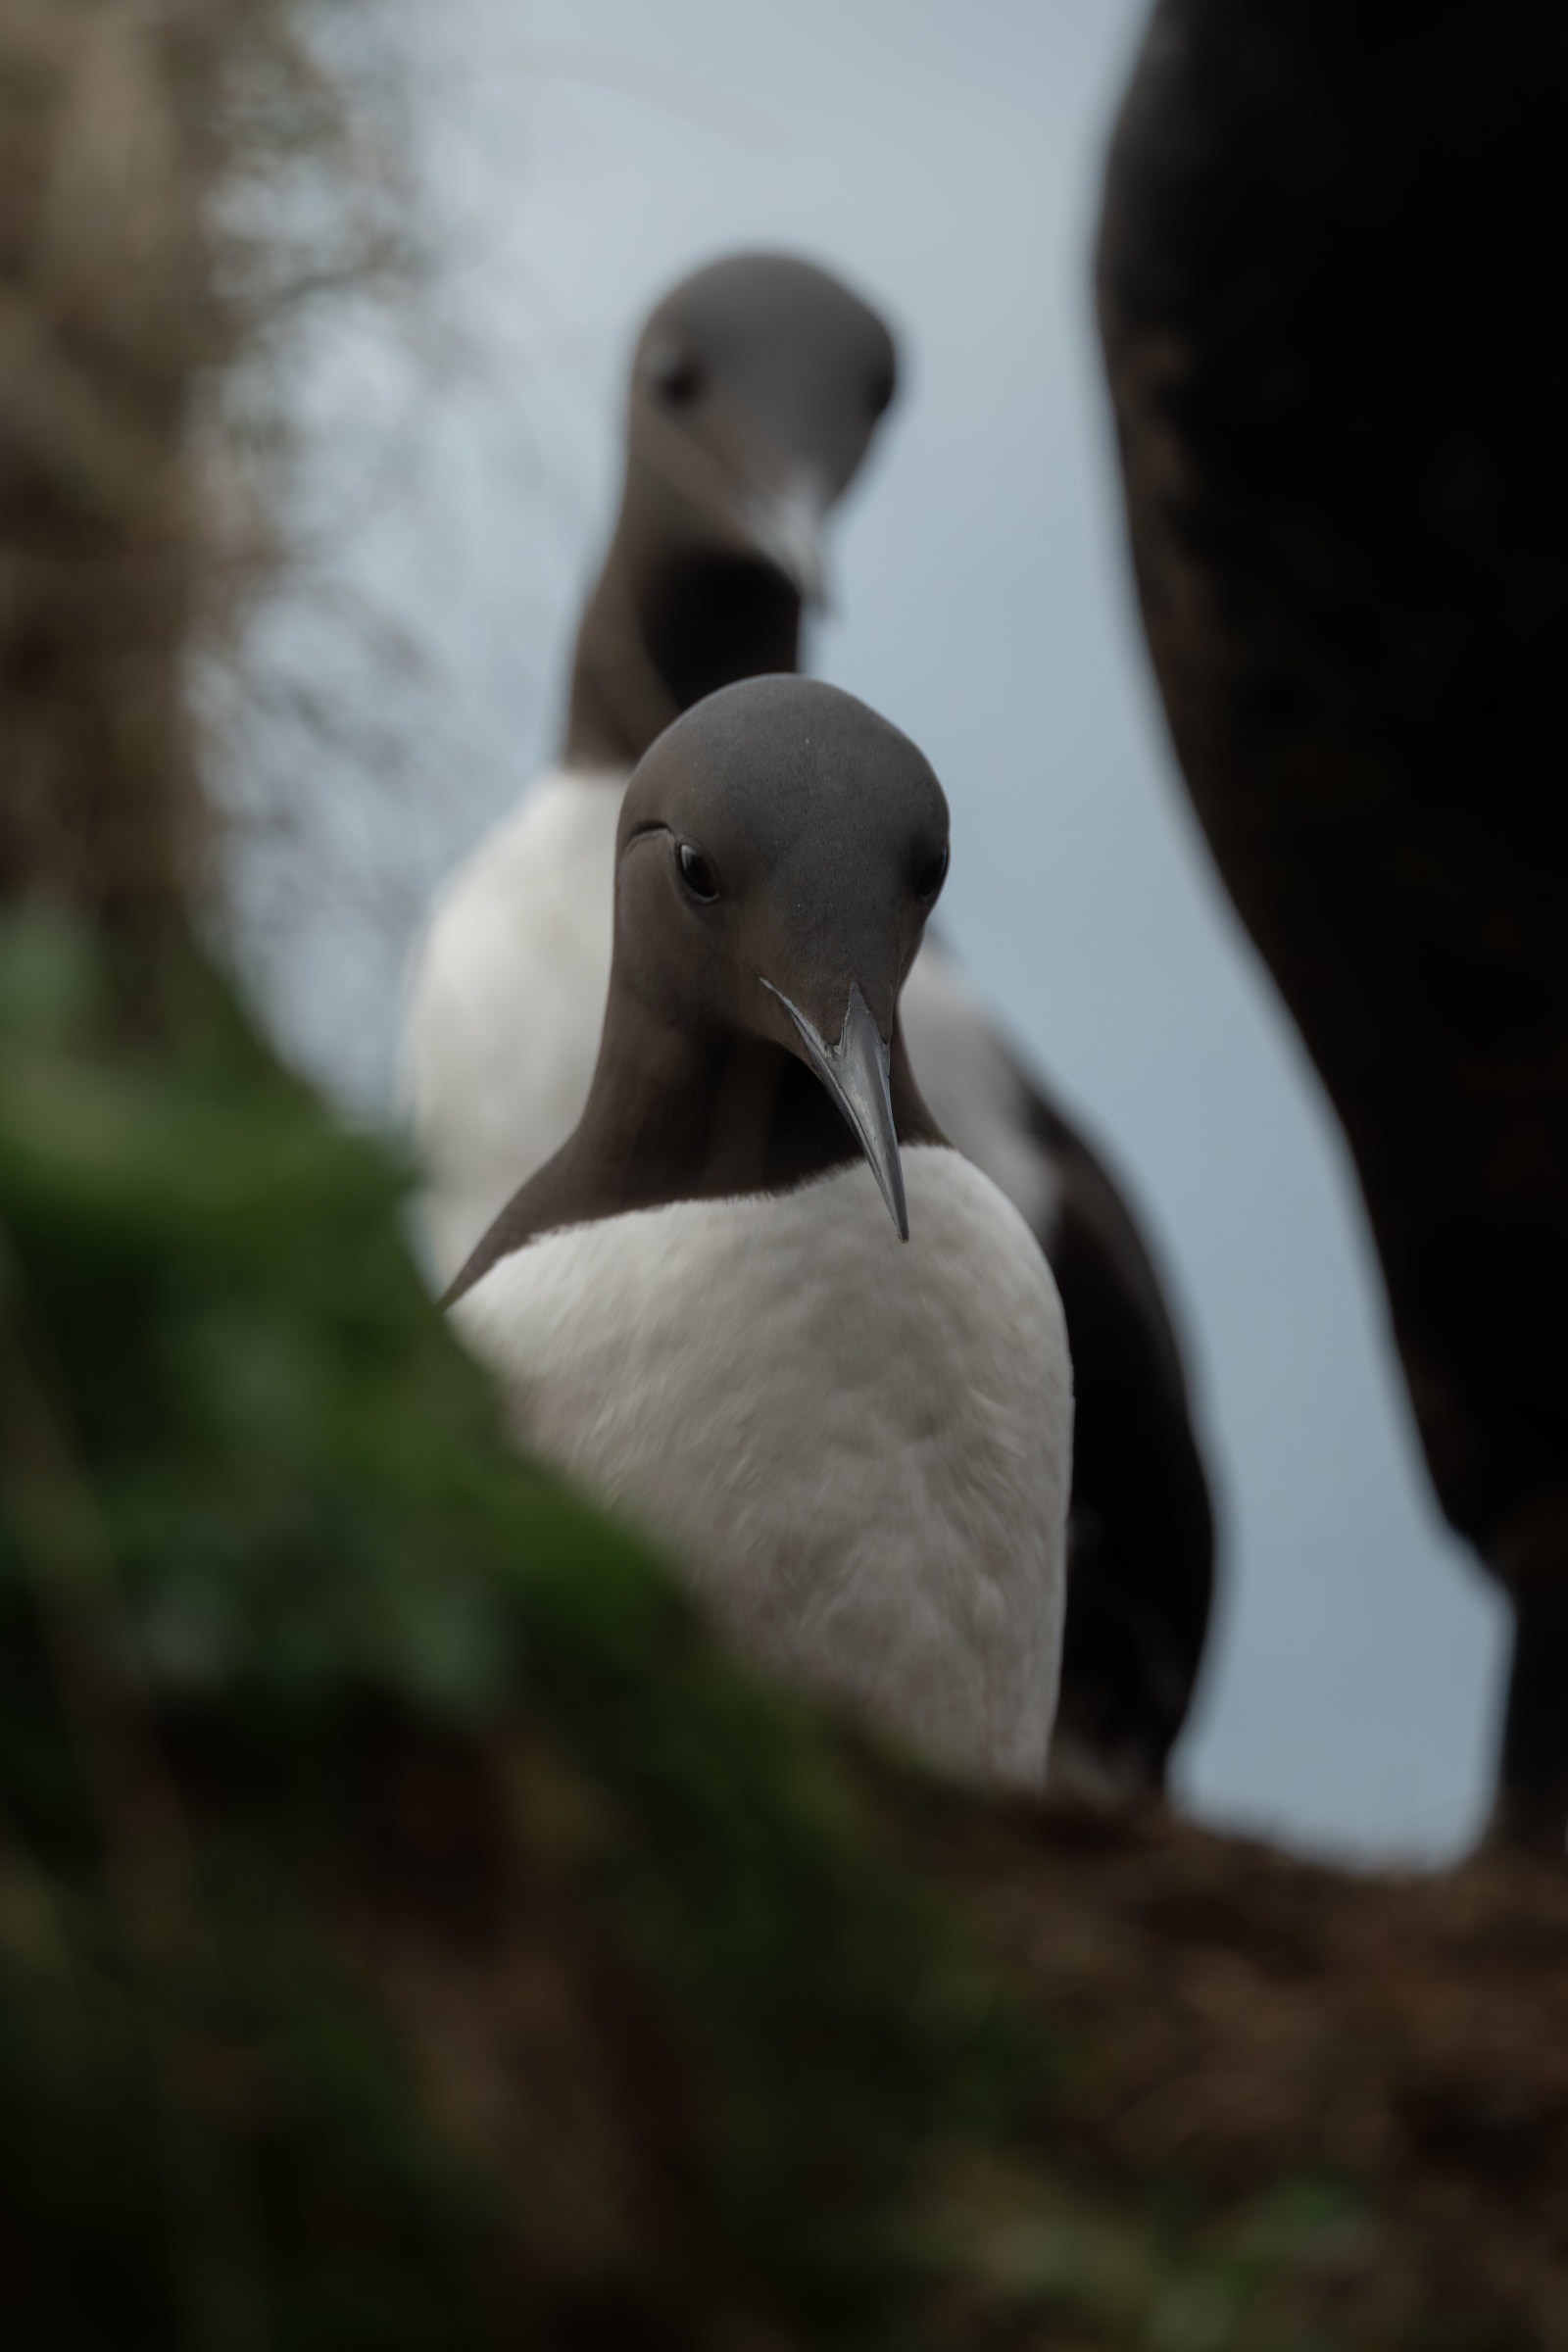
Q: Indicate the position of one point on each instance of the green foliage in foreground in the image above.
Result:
(256, 1508)
(260, 1544)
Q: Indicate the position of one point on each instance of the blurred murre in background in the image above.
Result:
(757, 1302)
(1333, 292)
(755, 389)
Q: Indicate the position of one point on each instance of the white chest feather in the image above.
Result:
(506, 1001)
(862, 1448)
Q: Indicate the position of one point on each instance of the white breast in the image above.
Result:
(860, 1449)
(506, 1001)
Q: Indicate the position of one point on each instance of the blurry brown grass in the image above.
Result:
(177, 178)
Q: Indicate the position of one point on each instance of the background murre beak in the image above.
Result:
(784, 524)
(854, 1072)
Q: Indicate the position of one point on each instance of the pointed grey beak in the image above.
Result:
(854, 1072)
(785, 526)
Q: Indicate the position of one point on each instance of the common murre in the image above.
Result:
(702, 1307)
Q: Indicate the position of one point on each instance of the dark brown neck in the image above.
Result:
(677, 1118)
(657, 637)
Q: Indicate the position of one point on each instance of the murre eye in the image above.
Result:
(931, 876)
(882, 388)
(697, 875)
(675, 375)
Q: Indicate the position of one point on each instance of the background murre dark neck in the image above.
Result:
(677, 1117)
(663, 630)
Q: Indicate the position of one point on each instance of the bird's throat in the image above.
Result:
(657, 638)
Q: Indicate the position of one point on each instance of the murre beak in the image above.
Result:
(854, 1072)
(784, 525)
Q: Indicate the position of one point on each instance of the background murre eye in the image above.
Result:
(931, 876)
(675, 377)
(697, 874)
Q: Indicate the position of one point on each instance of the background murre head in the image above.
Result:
(781, 849)
(755, 388)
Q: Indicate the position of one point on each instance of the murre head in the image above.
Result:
(781, 849)
(755, 388)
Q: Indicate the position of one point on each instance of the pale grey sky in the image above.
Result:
(941, 155)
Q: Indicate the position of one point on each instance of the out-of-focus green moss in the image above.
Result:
(254, 1499)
